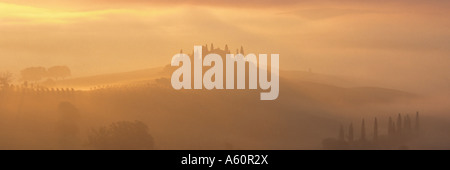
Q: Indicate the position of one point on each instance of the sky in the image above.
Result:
(397, 43)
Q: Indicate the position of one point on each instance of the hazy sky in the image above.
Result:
(399, 42)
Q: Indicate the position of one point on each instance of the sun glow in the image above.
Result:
(19, 14)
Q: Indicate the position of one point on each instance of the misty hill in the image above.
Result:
(317, 86)
(112, 78)
(154, 73)
(309, 108)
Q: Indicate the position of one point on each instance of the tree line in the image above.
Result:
(38, 73)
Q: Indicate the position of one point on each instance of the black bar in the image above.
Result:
(173, 159)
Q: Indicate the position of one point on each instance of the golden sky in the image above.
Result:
(403, 41)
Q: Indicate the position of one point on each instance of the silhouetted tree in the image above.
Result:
(375, 130)
(121, 136)
(399, 123)
(33, 73)
(226, 48)
(5, 79)
(394, 140)
(363, 131)
(417, 122)
(350, 133)
(59, 72)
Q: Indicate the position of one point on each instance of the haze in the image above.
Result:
(103, 65)
(401, 44)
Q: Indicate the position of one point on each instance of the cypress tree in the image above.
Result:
(226, 48)
(390, 127)
(399, 123)
(363, 131)
(417, 122)
(375, 130)
(350, 133)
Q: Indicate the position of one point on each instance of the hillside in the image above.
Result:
(111, 79)
(323, 87)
